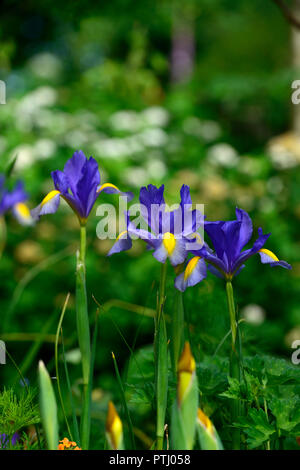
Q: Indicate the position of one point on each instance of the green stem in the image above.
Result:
(83, 331)
(161, 361)
(177, 330)
(235, 362)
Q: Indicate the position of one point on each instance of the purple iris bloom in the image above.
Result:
(79, 184)
(168, 233)
(228, 255)
(4, 440)
(14, 201)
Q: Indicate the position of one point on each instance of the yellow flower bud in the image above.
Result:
(186, 371)
(205, 422)
(114, 427)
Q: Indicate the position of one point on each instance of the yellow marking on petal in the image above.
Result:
(268, 253)
(190, 267)
(169, 242)
(114, 427)
(49, 196)
(205, 421)
(197, 236)
(121, 234)
(107, 185)
(23, 210)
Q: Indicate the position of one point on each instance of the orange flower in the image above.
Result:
(65, 444)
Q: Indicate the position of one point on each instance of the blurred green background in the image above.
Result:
(158, 92)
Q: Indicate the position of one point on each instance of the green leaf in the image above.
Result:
(48, 408)
(287, 413)
(256, 427)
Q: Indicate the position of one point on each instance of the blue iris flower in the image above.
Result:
(228, 256)
(14, 201)
(169, 232)
(4, 440)
(79, 185)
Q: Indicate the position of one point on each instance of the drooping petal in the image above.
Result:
(110, 188)
(123, 243)
(194, 273)
(142, 234)
(268, 257)
(171, 248)
(22, 213)
(49, 205)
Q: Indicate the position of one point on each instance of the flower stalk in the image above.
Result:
(83, 331)
(235, 367)
(161, 361)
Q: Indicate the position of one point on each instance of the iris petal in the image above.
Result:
(194, 273)
(110, 188)
(268, 257)
(49, 205)
(22, 214)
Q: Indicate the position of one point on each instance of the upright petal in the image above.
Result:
(86, 187)
(73, 169)
(60, 180)
(246, 229)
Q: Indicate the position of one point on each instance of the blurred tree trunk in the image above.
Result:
(295, 39)
(183, 42)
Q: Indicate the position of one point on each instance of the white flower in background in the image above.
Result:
(223, 154)
(29, 109)
(281, 157)
(44, 148)
(45, 65)
(155, 137)
(26, 156)
(155, 116)
(125, 121)
(156, 169)
(134, 144)
(254, 314)
(112, 148)
(284, 150)
(206, 129)
(76, 138)
(136, 176)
